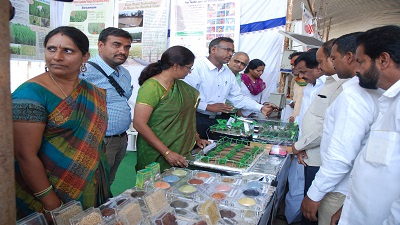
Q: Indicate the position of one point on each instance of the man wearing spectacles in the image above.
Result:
(238, 63)
(216, 84)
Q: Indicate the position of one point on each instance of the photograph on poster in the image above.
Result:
(229, 28)
(95, 28)
(210, 36)
(221, 13)
(212, 7)
(133, 18)
(211, 21)
(23, 40)
(78, 16)
(39, 14)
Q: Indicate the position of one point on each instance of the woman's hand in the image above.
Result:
(201, 142)
(174, 159)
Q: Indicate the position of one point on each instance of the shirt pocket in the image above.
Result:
(381, 146)
(319, 106)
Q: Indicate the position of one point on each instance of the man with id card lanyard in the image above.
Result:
(374, 186)
(105, 71)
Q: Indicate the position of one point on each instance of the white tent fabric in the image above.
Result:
(259, 38)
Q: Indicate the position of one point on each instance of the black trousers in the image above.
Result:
(309, 175)
(203, 123)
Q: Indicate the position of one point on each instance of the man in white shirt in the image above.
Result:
(310, 73)
(295, 194)
(374, 186)
(346, 128)
(216, 84)
(296, 88)
(307, 67)
(307, 147)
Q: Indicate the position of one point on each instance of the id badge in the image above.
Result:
(381, 145)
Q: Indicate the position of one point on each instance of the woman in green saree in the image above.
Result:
(59, 125)
(165, 111)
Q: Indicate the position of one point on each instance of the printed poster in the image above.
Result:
(147, 22)
(307, 19)
(194, 23)
(28, 28)
(91, 17)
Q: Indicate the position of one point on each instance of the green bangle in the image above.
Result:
(43, 193)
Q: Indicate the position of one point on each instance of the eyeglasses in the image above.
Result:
(190, 68)
(227, 49)
(242, 63)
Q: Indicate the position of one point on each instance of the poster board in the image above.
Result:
(28, 28)
(194, 23)
(147, 22)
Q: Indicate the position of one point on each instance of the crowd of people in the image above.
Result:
(348, 132)
(346, 99)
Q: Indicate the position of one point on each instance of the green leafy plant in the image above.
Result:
(78, 16)
(21, 34)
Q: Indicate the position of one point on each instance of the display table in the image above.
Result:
(262, 167)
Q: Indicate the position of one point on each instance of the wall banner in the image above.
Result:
(194, 23)
(147, 22)
(89, 16)
(28, 29)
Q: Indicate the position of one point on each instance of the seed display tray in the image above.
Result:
(276, 133)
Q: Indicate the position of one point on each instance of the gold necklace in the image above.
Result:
(57, 85)
(163, 78)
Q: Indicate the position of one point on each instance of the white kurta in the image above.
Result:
(374, 184)
(346, 129)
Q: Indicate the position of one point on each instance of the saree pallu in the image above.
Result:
(72, 149)
(173, 120)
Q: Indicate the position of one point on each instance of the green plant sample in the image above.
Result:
(21, 34)
(95, 28)
(78, 16)
(39, 9)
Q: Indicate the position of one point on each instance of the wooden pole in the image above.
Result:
(7, 192)
(311, 8)
(289, 14)
(328, 29)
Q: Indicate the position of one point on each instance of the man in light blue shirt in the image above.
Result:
(113, 46)
(216, 84)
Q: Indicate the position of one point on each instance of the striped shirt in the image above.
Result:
(118, 109)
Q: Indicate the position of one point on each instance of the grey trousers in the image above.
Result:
(115, 152)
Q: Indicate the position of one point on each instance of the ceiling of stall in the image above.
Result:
(350, 15)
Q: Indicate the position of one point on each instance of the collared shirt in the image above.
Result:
(118, 109)
(313, 120)
(346, 130)
(238, 78)
(374, 184)
(217, 86)
(309, 93)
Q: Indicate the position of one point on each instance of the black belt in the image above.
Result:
(117, 135)
(208, 116)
